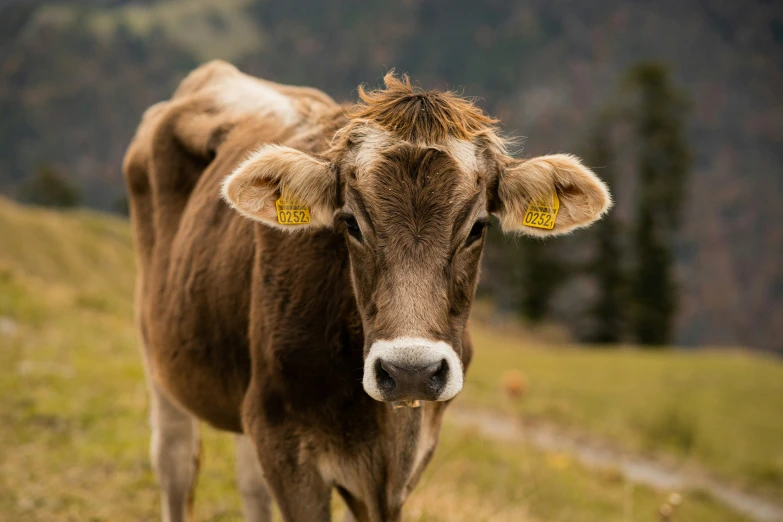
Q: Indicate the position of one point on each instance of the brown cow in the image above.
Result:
(299, 338)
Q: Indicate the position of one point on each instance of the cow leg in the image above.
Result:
(356, 509)
(175, 450)
(301, 494)
(298, 488)
(256, 501)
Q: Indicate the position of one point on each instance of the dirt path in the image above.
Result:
(595, 455)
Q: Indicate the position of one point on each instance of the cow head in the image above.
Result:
(411, 181)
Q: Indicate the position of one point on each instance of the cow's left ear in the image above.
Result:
(283, 188)
(582, 197)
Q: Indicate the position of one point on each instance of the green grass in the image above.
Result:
(720, 409)
(73, 426)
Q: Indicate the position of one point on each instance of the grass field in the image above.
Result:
(718, 409)
(73, 430)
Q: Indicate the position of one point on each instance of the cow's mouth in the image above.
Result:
(406, 404)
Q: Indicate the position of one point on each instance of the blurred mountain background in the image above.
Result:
(75, 78)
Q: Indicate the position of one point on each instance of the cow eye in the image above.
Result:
(353, 227)
(476, 231)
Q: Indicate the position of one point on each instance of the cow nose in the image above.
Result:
(412, 368)
(403, 382)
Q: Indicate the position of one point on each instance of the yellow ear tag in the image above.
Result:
(542, 212)
(291, 212)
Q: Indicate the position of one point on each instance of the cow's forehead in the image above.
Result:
(373, 145)
(408, 178)
(414, 194)
(389, 169)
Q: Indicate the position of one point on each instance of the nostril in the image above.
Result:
(384, 378)
(439, 375)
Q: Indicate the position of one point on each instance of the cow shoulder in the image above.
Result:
(177, 139)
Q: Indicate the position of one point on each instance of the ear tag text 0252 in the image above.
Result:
(290, 211)
(542, 212)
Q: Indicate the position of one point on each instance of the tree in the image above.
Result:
(522, 273)
(658, 114)
(542, 274)
(50, 188)
(607, 267)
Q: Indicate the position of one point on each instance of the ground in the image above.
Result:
(74, 434)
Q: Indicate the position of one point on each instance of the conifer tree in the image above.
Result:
(658, 114)
(50, 188)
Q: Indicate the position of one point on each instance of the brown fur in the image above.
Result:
(418, 116)
(415, 281)
(264, 332)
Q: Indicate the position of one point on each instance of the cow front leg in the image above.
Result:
(300, 492)
(295, 483)
(356, 510)
(256, 500)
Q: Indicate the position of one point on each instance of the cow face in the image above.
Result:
(414, 213)
(414, 220)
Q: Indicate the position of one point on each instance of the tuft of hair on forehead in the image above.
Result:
(419, 116)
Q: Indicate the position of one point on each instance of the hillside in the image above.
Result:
(73, 437)
(75, 77)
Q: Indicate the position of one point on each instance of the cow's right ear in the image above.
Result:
(283, 188)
